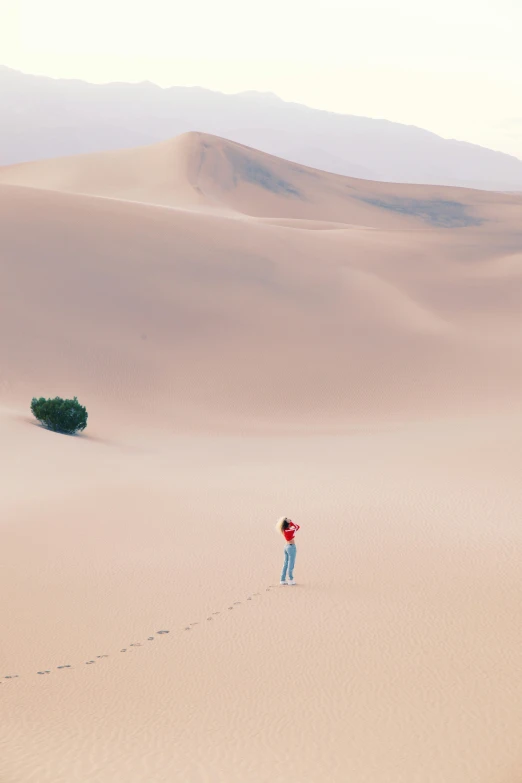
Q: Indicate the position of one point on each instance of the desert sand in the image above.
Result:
(253, 338)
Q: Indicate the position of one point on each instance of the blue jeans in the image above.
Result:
(290, 553)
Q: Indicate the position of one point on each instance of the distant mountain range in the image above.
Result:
(41, 117)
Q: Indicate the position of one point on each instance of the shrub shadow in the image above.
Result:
(81, 436)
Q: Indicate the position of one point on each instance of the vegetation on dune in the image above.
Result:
(250, 170)
(59, 415)
(438, 212)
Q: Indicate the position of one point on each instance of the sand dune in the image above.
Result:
(201, 316)
(254, 338)
(196, 170)
(402, 639)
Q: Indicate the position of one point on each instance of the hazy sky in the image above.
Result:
(452, 66)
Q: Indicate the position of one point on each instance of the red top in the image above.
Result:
(290, 531)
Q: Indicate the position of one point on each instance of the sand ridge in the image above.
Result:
(144, 291)
(208, 173)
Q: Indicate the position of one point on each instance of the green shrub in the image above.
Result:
(59, 415)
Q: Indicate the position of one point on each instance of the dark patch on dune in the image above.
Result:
(250, 170)
(305, 171)
(437, 212)
(221, 270)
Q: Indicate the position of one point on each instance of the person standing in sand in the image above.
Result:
(288, 529)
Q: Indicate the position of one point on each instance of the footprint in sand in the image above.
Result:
(138, 644)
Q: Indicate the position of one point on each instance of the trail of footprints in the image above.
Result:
(189, 627)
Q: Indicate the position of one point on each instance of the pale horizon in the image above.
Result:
(455, 70)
